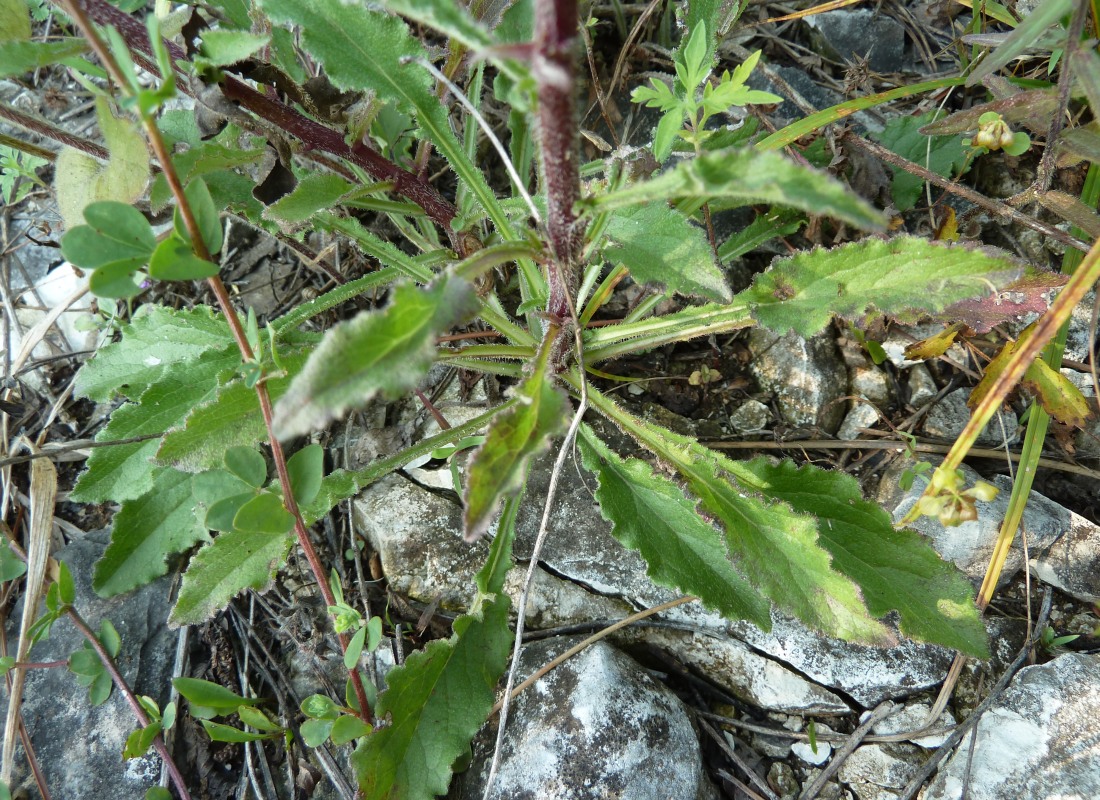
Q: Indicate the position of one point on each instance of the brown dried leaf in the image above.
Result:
(1032, 109)
(935, 345)
(1072, 210)
(1056, 394)
(1030, 294)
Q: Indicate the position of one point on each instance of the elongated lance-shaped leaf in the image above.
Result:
(634, 337)
(652, 515)
(125, 471)
(146, 531)
(905, 277)
(897, 570)
(771, 543)
(379, 352)
(441, 695)
(231, 418)
(749, 176)
(660, 246)
(364, 50)
(499, 467)
(221, 570)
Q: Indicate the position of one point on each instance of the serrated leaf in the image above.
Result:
(247, 464)
(905, 277)
(232, 417)
(896, 570)
(499, 466)
(17, 57)
(125, 471)
(748, 176)
(379, 352)
(221, 570)
(364, 50)
(306, 469)
(661, 246)
(439, 698)
(146, 531)
(772, 544)
(264, 513)
(174, 260)
(113, 232)
(157, 340)
(222, 47)
(652, 515)
(944, 155)
(316, 191)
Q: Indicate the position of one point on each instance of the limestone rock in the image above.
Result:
(596, 726)
(1040, 739)
(806, 376)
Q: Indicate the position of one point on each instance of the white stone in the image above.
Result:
(911, 718)
(1040, 740)
(807, 754)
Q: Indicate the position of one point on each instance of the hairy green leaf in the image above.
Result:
(125, 471)
(316, 191)
(223, 47)
(157, 340)
(499, 466)
(651, 514)
(221, 570)
(342, 484)
(441, 695)
(146, 531)
(905, 277)
(767, 226)
(897, 570)
(231, 418)
(771, 543)
(751, 177)
(379, 352)
(206, 215)
(660, 246)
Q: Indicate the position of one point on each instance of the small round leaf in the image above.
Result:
(247, 464)
(264, 513)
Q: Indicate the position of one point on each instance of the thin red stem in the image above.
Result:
(218, 288)
(131, 699)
